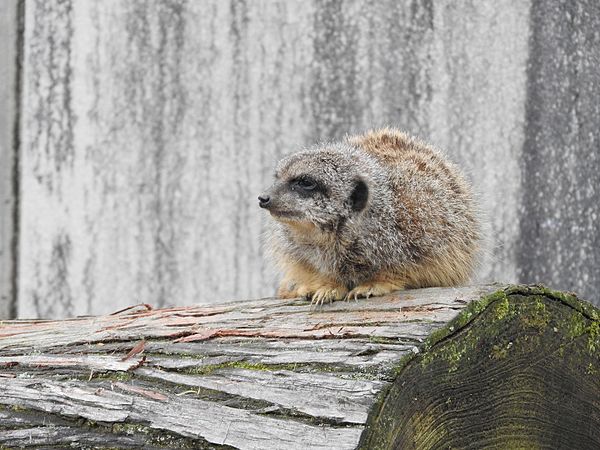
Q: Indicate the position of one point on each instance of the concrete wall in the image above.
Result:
(149, 127)
(560, 165)
(9, 93)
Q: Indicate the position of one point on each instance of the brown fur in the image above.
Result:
(419, 207)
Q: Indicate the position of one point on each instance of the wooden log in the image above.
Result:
(474, 367)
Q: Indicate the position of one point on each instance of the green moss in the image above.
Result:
(382, 340)
(471, 311)
(113, 376)
(454, 355)
(208, 369)
(129, 428)
(502, 329)
(159, 438)
(594, 337)
(502, 308)
(17, 408)
(587, 309)
(366, 373)
(591, 369)
(577, 325)
(500, 351)
(537, 317)
(503, 305)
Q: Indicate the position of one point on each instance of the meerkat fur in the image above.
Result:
(377, 212)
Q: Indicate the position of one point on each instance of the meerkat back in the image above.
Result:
(435, 205)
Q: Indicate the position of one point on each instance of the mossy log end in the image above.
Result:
(475, 367)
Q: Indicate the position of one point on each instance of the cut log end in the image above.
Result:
(517, 369)
(483, 366)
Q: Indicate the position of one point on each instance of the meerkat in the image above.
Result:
(375, 213)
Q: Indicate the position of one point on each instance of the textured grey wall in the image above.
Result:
(9, 24)
(149, 127)
(560, 167)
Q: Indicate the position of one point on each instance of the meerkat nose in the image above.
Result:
(264, 200)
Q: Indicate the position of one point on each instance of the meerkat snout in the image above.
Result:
(264, 200)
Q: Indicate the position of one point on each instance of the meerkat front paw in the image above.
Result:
(372, 289)
(327, 294)
(317, 295)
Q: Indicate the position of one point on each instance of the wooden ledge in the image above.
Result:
(489, 366)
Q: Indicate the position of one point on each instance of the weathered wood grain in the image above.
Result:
(150, 127)
(328, 397)
(162, 139)
(524, 374)
(255, 374)
(269, 317)
(478, 85)
(9, 118)
(65, 436)
(187, 417)
(561, 162)
(475, 367)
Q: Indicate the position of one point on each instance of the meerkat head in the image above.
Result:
(320, 187)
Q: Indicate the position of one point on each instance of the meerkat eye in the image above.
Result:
(307, 184)
(304, 184)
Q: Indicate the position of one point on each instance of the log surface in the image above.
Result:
(268, 373)
(273, 373)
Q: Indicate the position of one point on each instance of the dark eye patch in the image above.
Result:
(306, 185)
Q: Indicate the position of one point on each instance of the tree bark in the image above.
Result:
(474, 367)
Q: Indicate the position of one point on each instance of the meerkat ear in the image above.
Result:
(359, 196)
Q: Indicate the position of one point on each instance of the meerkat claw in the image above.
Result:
(316, 301)
(327, 295)
(363, 292)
